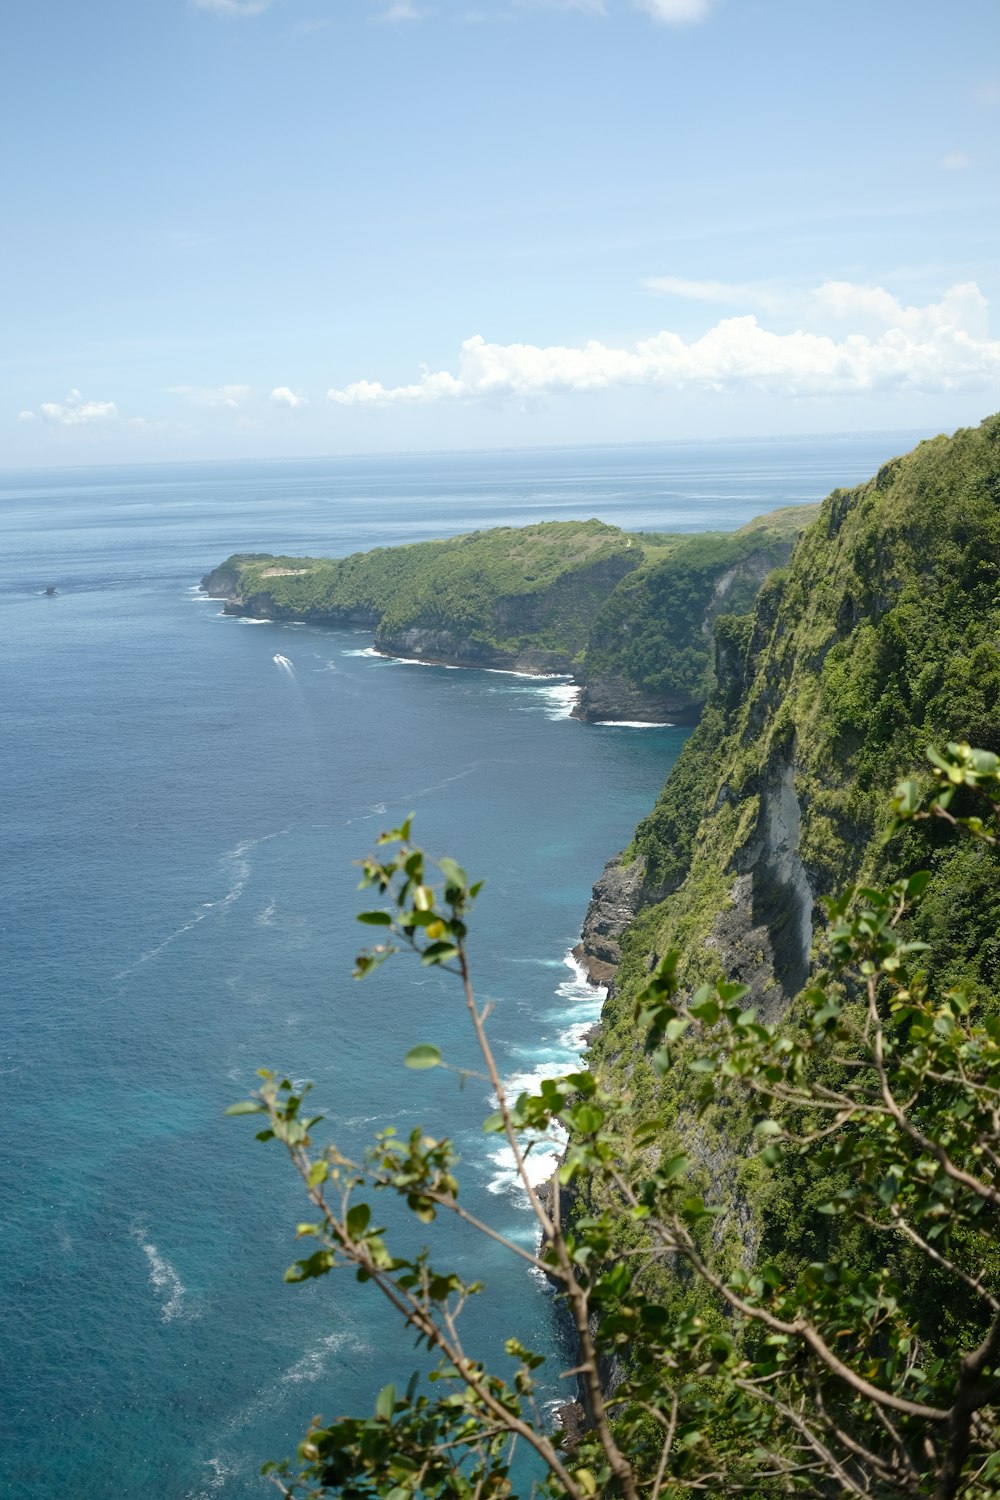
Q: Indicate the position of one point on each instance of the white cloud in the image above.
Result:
(75, 412)
(956, 161)
(227, 397)
(26, 416)
(402, 10)
(962, 308)
(723, 293)
(283, 395)
(676, 12)
(234, 7)
(943, 346)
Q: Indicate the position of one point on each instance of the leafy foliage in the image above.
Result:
(750, 1376)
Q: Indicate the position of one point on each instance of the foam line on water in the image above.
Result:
(239, 869)
(163, 1278)
(310, 1367)
(631, 724)
(531, 676)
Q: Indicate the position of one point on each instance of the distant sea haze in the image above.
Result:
(184, 794)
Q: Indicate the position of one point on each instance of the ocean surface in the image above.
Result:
(180, 813)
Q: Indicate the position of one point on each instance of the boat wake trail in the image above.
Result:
(235, 864)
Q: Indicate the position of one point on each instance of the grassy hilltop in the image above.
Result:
(629, 615)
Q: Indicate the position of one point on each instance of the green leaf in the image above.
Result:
(318, 1173)
(438, 953)
(385, 1403)
(453, 872)
(375, 918)
(246, 1107)
(424, 1055)
(357, 1219)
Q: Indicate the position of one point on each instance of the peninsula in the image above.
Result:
(628, 615)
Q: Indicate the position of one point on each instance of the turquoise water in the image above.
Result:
(180, 817)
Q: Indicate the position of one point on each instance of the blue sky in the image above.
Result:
(290, 227)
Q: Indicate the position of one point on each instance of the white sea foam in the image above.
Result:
(221, 1470)
(561, 700)
(531, 676)
(163, 1278)
(283, 663)
(579, 1009)
(266, 917)
(631, 724)
(416, 661)
(250, 620)
(312, 1365)
(365, 651)
(226, 1464)
(556, 700)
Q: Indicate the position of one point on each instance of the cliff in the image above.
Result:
(555, 597)
(880, 637)
(649, 653)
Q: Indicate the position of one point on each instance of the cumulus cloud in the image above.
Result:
(676, 12)
(283, 395)
(75, 412)
(234, 7)
(26, 416)
(227, 397)
(944, 346)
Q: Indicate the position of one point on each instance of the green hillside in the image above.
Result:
(882, 636)
(629, 615)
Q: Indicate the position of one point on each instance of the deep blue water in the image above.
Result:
(180, 816)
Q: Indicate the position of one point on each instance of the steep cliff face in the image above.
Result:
(526, 629)
(649, 654)
(881, 636)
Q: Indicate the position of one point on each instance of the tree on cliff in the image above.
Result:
(870, 1369)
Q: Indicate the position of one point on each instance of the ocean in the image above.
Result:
(181, 813)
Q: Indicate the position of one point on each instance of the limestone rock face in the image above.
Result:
(610, 698)
(618, 896)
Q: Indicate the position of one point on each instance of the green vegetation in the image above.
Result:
(705, 1365)
(634, 611)
(489, 595)
(775, 1225)
(879, 637)
(655, 630)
